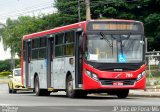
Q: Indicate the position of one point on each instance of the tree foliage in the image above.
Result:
(147, 11)
(15, 29)
(5, 65)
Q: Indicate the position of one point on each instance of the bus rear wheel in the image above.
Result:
(122, 93)
(38, 91)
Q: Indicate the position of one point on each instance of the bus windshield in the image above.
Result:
(114, 48)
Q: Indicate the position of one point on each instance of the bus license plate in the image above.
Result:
(117, 83)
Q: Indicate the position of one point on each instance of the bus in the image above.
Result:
(95, 56)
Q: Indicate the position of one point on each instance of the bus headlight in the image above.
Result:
(141, 75)
(88, 73)
(92, 75)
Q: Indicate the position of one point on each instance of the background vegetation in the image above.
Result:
(147, 11)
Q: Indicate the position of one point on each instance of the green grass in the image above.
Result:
(4, 74)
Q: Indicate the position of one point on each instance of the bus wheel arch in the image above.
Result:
(68, 75)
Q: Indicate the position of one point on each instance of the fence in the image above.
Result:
(153, 69)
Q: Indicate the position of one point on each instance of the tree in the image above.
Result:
(147, 11)
(14, 31)
(68, 9)
(5, 64)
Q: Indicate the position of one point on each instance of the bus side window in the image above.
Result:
(42, 48)
(59, 44)
(35, 46)
(69, 43)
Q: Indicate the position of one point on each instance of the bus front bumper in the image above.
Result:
(91, 84)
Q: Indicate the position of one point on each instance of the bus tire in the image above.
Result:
(70, 92)
(38, 91)
(122, 93)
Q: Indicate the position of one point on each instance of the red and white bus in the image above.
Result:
(96, 56)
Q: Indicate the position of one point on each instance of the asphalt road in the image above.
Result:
(58, 102)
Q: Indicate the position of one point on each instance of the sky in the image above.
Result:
(14, 8)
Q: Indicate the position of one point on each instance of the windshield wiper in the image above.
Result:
(110, 44)
(126, 40)
(119, 38)
(103, 37)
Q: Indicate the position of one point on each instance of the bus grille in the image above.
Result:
(111, 81)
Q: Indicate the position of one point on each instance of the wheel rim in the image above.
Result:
(70, 88)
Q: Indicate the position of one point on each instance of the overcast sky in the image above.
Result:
(15, 8)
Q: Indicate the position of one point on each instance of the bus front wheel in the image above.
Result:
(122, 93)
(69, 88)
(71, 92)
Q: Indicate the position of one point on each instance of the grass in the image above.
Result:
(4, 74)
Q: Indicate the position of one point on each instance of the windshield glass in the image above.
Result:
(17, 73)
(114, 48)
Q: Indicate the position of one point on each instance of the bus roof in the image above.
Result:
(68, 27)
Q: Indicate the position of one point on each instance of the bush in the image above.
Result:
(6, 64)
(154, 73)
(5, 74)
(152, 67)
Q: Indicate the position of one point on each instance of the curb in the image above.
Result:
(142, 95)
(147, 93)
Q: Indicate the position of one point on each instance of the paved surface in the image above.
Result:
(58, 102)
(147, 93)
(4, 80)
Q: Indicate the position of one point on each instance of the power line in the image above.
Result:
(28, 9)
(26, 12)
(38, 8)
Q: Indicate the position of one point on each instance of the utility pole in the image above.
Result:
(79, 11)
(88, 12)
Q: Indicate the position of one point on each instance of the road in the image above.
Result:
(58, 102)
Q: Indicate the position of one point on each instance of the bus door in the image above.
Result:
(50, 46)
(27, 64)
(78, 56)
